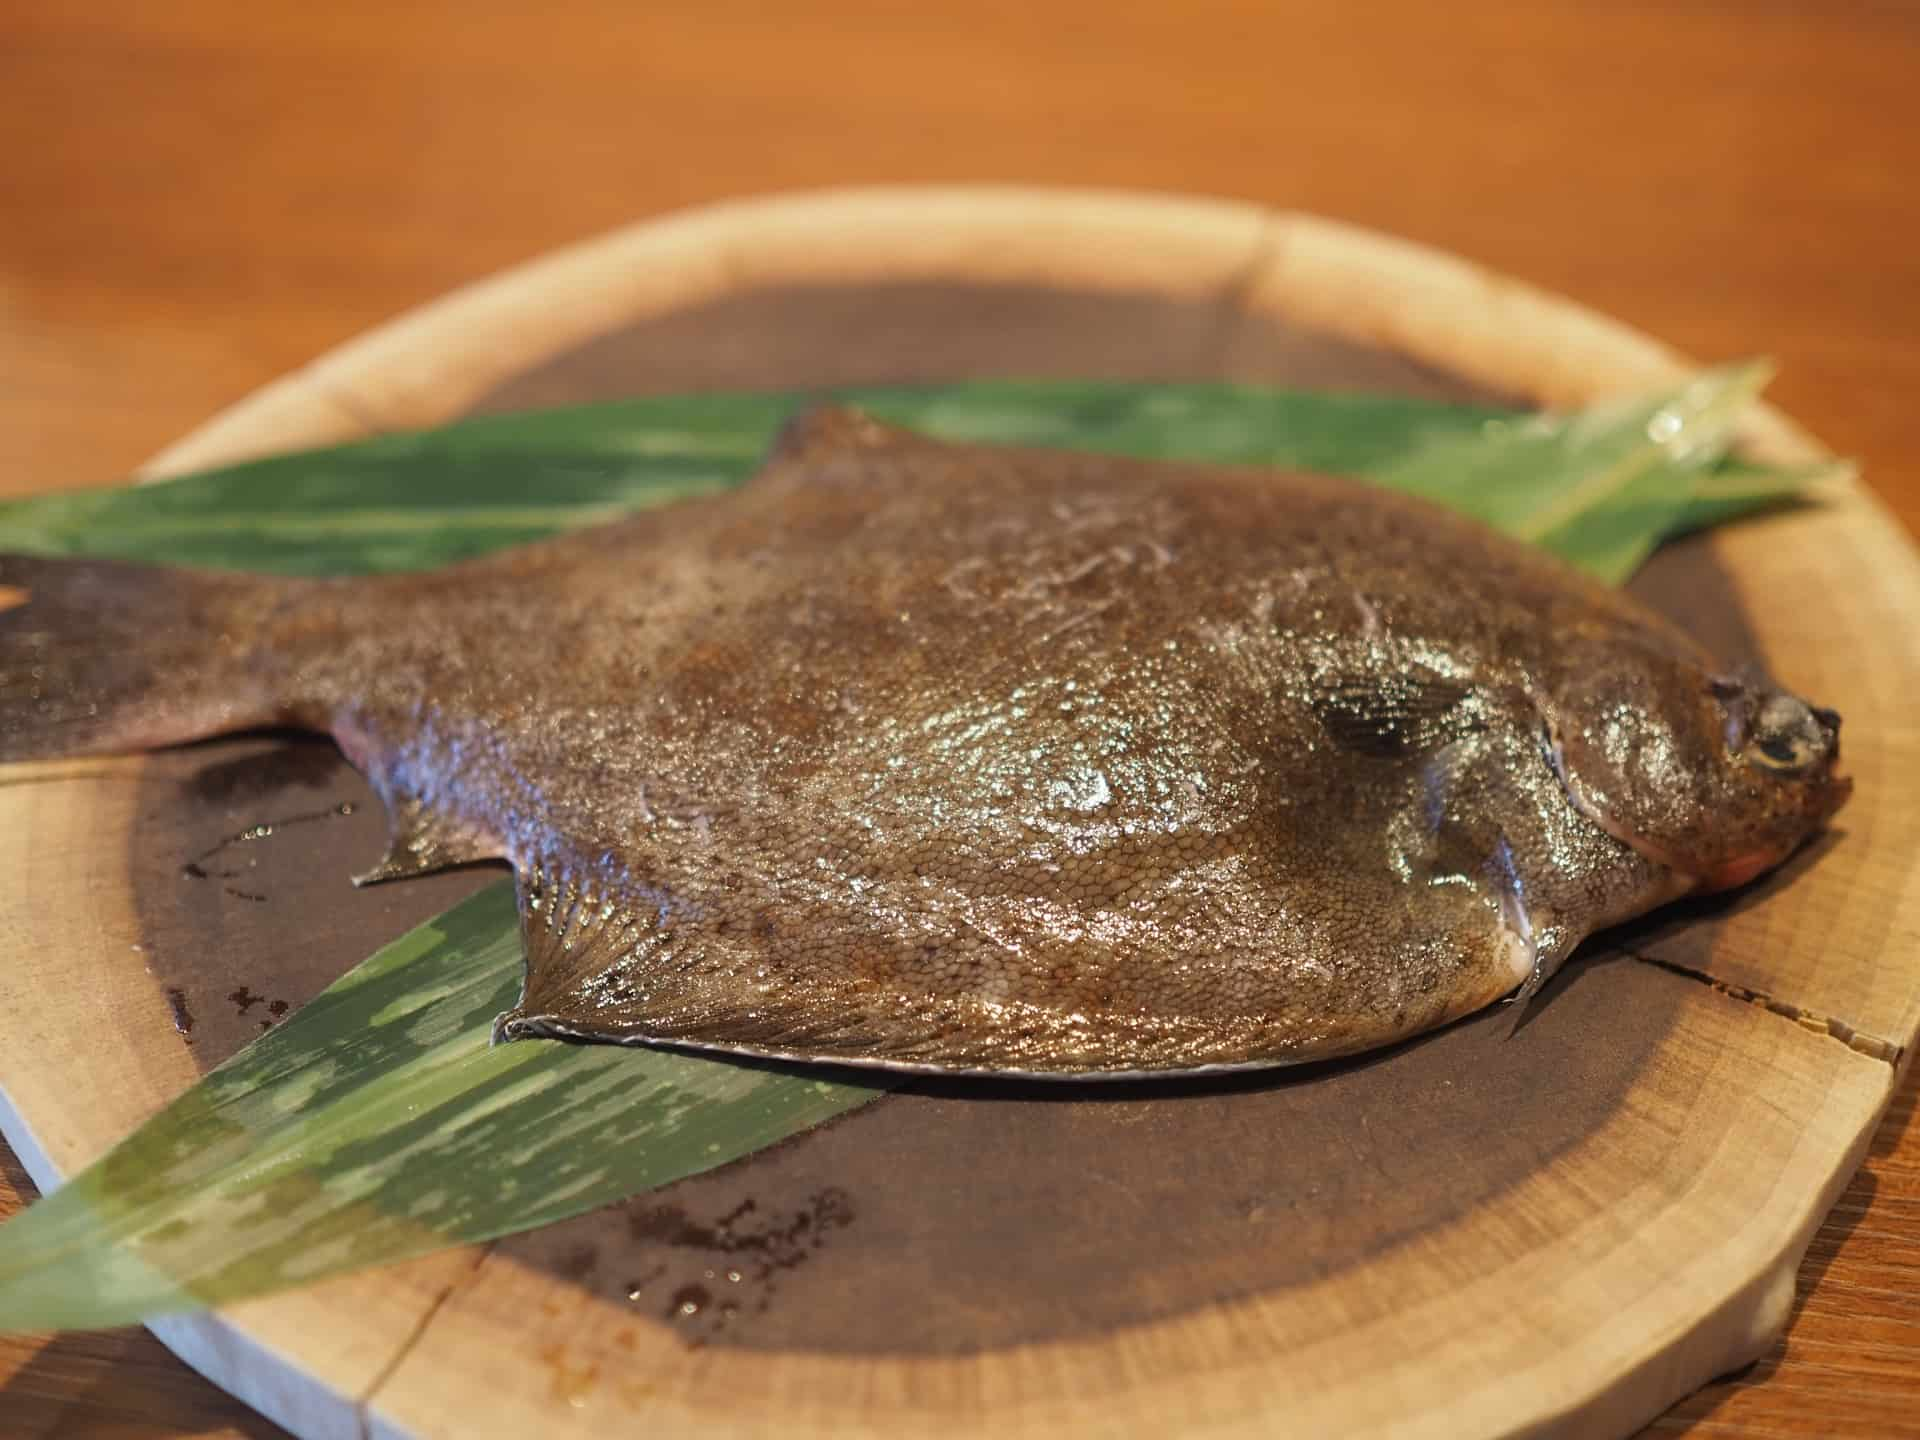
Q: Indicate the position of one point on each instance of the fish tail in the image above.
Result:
(100, 656)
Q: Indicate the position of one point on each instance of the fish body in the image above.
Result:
(952, 757)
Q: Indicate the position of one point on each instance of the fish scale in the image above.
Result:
(951, 757)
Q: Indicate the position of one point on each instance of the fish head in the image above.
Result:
(1717, 777)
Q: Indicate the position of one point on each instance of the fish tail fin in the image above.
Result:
(100, 656)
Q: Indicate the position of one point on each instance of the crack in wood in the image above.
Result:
(1232, 314)
(1872, 1046)
(343, 398)
(363, 1406)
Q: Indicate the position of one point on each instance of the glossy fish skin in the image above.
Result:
(960, 758)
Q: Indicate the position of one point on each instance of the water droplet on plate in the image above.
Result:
(688, 1301)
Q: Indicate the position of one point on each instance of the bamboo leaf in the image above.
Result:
(1733, 489)
(413, 501)
(377, 1123)
(1603, 486)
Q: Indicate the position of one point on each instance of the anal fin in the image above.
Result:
(422, 841)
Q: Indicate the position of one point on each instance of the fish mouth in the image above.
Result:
(1738, 871)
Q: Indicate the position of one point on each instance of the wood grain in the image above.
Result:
(199, 198)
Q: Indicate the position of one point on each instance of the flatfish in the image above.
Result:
(961, 758)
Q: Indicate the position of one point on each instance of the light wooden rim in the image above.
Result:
(432, 364)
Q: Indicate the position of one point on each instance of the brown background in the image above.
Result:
(195, 198)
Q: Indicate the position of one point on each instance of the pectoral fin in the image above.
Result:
(1392, 717)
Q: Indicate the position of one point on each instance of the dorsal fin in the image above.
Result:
(830, 431)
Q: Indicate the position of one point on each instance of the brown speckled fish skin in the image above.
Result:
(974, 759)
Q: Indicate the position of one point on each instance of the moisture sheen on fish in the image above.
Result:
(961, 758)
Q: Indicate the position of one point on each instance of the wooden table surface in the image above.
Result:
(198, 197)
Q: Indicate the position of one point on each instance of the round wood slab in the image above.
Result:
(1475, 1234)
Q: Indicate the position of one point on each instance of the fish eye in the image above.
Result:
(1787, 735)
(1782, 752)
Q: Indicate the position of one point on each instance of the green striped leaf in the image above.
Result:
(413, 501)
(378, 1123)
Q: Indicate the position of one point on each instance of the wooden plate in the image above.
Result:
(1473, 1234)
